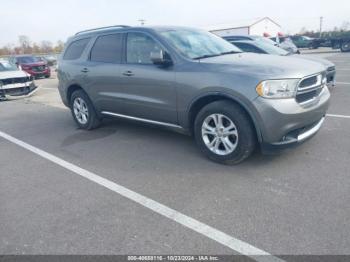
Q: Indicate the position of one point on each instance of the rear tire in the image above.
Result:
(219, 142)
(83, 111)
(345, 47)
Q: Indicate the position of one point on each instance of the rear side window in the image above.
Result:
(75, 49)
(248, 48)
(108, 49)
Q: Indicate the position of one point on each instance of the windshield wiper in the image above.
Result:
(223, 53)
(205, 56)
(230, 52)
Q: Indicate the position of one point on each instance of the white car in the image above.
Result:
(14, 82)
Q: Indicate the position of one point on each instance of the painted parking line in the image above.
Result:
(343, 83)
(191, 223)
(339, 116)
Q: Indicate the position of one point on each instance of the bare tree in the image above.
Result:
(24, 43)
(59, 47)
(36, 48)
(345, 26)
(303, 30)
(46, 47)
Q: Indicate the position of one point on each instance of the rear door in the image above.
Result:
(102, 72)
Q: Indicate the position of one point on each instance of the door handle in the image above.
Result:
(128, 73)
(85, 70)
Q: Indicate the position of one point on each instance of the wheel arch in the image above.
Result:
(203, 100)
(71, 89)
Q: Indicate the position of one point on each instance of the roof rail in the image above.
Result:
(101, 28)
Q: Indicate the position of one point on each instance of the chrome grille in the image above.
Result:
(310, 87)
(38, 68)
(307, 82)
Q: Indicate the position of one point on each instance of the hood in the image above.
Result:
(12, 74)
(266, 66)
(324, 62)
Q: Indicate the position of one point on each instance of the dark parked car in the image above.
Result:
(282, 42)
(303, 41)
(196, 82)
(250, 38)
(51, 60)
(260, 47)
(32, 65)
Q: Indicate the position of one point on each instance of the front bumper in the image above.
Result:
(331, 79)
(285, 123)
(17, 90)
(294, 138)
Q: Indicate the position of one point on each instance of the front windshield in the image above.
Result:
(196, 44)
(28, 59)
(270, 48)
(7, 66)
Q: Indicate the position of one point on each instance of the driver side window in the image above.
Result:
(139, 47)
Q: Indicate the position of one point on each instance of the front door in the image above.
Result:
(149, 90)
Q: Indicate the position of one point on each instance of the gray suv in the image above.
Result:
(196, 82)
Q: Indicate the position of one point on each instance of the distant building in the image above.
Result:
(262, 27)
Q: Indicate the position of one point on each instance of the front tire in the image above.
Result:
(224, 133)
(345, 47)
(83, 111)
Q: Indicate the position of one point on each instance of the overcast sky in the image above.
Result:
(56, 20)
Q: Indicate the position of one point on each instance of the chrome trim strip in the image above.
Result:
(303, 91)
(141, 119)
(311, 131)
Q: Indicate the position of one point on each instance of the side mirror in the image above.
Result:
(160, 58)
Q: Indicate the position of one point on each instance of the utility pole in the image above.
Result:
(142, 21)
(321, 21)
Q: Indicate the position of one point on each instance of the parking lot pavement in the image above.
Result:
(47, 93)
(50, 211)
(293, 203)
(320, 52)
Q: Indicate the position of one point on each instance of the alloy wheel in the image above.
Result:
(219, 134)
(81, 111)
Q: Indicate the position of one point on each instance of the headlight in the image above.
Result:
(285, 88)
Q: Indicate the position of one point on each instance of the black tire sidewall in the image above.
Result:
(344, 49)
(246, 135)
(91, 110)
